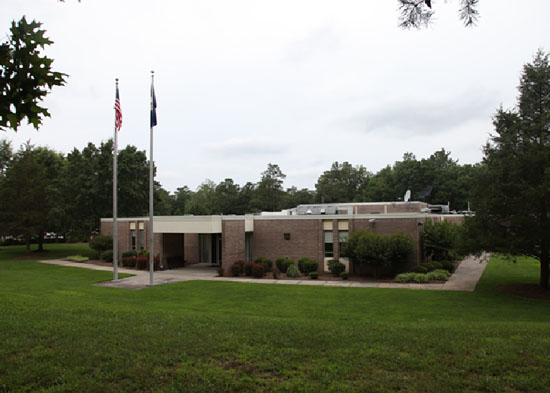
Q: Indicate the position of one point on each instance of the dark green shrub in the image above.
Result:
(237, 268)
(420, 269)
(248, 266)
(292, 271)
(283, 264)
(108, 256)
(369, 249)
(440, 275)
(448, 266)
(307, 265)
(129, 254)
(101, 243)
(344, 275)
(268, 263)
(313, 275)
(336, 267)
(258, 270)
(143, 252)
(221, 271)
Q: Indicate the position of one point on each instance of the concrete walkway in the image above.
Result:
(465, 278)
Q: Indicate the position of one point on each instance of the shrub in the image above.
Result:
(404, 277)
(292, 271)
(440, 275)
(275, 273)
(420, 278)
(129, 261)
(221, 271)
(129, 254)
(307, 265)
(420, 269)
(248, 268)
(336, 267)
(344, 275)
(441, 239)
(283, 264)
(400, 246)
(76, 258)
(313, 275)
(143, 252)
(237, 268)
(108, 256)
(411, 277)
(268, 263)
(101, 243)
(141, 262)
(258, 270)
(448, 266)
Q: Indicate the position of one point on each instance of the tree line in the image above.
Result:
(42, 190)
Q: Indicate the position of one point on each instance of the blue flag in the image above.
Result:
(153, 107)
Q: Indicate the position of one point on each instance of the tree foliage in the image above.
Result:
(512, 191)
(418, 13)
(26, 76)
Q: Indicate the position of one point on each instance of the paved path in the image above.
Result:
(465, 278)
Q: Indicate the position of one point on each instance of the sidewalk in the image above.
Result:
(465, 278)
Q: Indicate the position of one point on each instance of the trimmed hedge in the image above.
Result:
(307, 265)
(283, 264)
(336, 267)
(268, 263)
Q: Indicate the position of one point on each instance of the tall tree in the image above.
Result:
(6, 154)
(269, 193)
(26, 76)
(24, 190)
(512, 191)
(341, 183)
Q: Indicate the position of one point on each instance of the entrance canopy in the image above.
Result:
(188, 224)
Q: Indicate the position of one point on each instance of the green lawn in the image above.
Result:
(59, 333)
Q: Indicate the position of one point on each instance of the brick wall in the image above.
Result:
(123, 234)
(191, 248)
(233, 242)
(306, 239)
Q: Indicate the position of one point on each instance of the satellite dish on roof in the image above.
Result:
(407, 196)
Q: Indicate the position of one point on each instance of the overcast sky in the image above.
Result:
(301, 84)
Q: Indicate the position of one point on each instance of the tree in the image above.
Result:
(24, 190)
(268, 194)
(180, 199)
(202, 202)
(26, 76)
(341, 183)
(419, 13)
(512, 190)
(6, 154)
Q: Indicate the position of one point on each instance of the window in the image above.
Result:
(141, 238)
(343, 237)
(133, 239)
(249, 246)
(329, 240)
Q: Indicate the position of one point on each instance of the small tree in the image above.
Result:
(367, 248)
(101, 243)
(440, 240)
(400, 246)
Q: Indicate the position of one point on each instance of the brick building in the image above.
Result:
(313, 231)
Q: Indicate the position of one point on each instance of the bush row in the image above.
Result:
(261, 266)
(435, 265)
(439, 274)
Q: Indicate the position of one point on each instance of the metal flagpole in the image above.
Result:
(118, 122)
(151, 174)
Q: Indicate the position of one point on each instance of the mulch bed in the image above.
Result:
(532, 291)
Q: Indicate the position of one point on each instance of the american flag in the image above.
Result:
(118, 111)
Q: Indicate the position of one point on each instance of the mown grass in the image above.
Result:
(60, 333)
